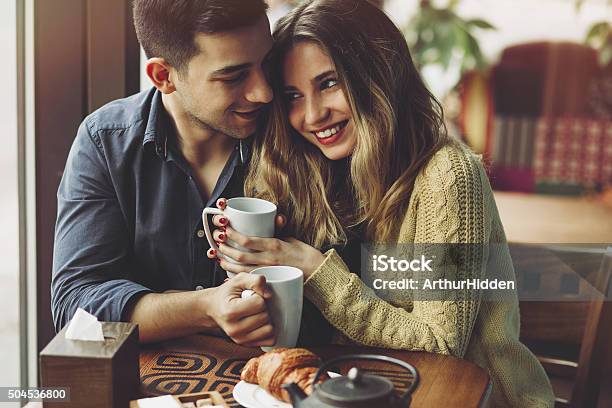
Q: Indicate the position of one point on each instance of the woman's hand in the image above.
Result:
(271, 251)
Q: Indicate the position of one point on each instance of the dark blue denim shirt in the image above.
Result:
(129, 212)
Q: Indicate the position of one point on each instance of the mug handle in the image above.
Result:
(210, 211)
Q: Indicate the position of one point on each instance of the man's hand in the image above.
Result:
(162, 316)
(245, 321)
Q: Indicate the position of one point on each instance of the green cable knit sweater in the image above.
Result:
(451, 202)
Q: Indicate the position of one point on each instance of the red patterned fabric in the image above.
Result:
(573, 151)
(551, 155)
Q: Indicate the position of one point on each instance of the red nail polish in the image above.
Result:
(222, 237)
(223, 221)
(213, 252)
(220, 203)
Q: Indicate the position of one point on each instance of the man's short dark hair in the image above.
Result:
(167, 28)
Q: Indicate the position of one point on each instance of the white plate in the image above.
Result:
(253, 396)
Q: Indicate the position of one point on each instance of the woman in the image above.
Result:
(356, 151)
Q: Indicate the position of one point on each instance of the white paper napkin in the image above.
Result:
(84, 326)
(165, 401)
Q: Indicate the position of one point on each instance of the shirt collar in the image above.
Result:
(156, 132)
(244, 150)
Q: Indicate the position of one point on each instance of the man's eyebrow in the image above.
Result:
(231, 69)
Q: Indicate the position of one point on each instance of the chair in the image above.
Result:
(536, 117)
(569, 331)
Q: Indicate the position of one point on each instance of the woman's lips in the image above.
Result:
(334, 137)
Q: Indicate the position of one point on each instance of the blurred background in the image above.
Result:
(527, 84)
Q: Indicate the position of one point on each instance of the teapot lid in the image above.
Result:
(355, 388)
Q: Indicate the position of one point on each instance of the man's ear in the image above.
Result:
(158, 71)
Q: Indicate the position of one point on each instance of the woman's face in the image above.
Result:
(317, 107)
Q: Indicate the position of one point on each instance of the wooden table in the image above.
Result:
(206, 363)
(536, 218)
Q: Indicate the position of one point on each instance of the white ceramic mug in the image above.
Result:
(285, 305)
(249, 216)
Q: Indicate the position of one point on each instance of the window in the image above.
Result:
(9, 216)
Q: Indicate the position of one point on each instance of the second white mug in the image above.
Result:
(285, 306)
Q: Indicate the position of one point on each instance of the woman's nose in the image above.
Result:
(316, 112)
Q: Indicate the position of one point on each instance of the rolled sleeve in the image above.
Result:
(91, 267)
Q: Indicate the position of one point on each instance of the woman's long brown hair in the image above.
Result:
(398, 122)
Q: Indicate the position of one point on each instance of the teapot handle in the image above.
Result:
(404, 400)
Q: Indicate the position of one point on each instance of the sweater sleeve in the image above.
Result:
(448, 208)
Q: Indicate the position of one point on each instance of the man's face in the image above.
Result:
(224, 88)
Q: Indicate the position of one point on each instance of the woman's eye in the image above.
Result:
(329, 83)
(291, 96)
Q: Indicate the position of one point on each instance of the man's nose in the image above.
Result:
(259, 90)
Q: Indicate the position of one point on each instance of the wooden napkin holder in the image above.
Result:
(98, 374)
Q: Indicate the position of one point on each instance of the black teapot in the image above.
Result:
(356, 389)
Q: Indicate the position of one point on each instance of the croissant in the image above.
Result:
(249, 371)
(282, 366)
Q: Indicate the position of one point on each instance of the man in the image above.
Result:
(142, 169)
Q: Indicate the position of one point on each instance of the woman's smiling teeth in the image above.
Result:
(329, 132)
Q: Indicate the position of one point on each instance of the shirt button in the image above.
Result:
(200, 233)
(199, 287)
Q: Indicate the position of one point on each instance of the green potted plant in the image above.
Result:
(440, 36)
(444, 46)
(599, 36)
